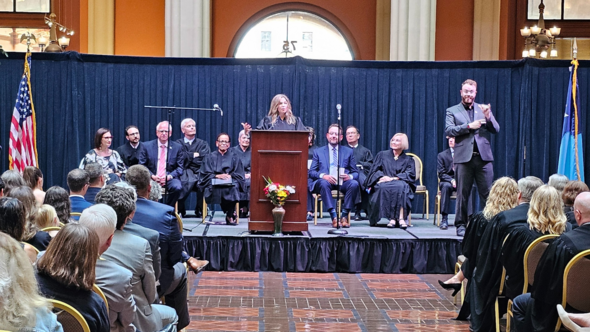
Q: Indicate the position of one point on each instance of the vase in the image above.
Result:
(278, 213)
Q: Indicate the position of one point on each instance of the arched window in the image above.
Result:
(292, 33)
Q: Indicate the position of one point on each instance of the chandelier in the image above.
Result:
(538, 40)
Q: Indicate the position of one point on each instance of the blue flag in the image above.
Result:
(571, 161)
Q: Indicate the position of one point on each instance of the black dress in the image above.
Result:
(266, 124)
(388, 198)
(216, 163)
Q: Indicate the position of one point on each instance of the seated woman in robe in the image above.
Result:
(391, 180)
(110, 160)
(245, 154)
(221, 178)
(280, 117)
(503, 196)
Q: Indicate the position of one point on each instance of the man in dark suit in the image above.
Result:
(96, 181)
(130, 151)
(330, 162)
(194, 150)
(78, 184)
(445, 168)
(166, 172)
(364, 161)
(472, 125)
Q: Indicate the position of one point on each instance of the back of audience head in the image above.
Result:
(19, 292)
(571, 191)
(33, 177)
(156, 191)
(139, 177)
(121, 200)
(12, 179)
(59, 198)
(1, 187)
(558, 181)
(503, 196)
(46, 217)
(102, 219)
(527, 186)
(25, 195)
(71, 256)
(12, 217)
(546, 211)
(77, 180)
(582, 208)
(95, 174)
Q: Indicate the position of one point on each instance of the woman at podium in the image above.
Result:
(280, 117)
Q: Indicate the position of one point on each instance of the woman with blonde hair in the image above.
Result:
(21, 305)
(280, 117)
(545, 217)
(47, 217)
(66, 272)
(34, 179)
(503, 196)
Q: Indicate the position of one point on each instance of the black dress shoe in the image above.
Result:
(444, 224)
(357, 217)
(309, 217)
(461, 230)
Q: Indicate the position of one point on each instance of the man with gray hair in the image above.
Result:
(96, 181)
(194, 150)
(113, 280)
(484, 286)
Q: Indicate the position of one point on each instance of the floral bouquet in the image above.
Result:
(276, 192)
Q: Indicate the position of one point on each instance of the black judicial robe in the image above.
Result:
(363, 157)
(216, 163)
(246, 159)
(310, 151)
(193, 158)
(548, 288)
(130, 155)
(266, 124)
(484, 286)
(473, 233)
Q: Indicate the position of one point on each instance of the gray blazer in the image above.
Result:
(457, 120)
(115, 283)
(153, 237)
(133, 253)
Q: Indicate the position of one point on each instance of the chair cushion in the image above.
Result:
(420, 188)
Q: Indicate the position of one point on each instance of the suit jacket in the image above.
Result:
(160, 217)
(129, 155)
(91, 194)
(457, 120)
(320, 163)
(115, 282)
(79, 204)
(148, 157)
(153, 238)
(444, 166)
(133, 253)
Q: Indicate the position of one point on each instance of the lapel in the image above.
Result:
(463, 112)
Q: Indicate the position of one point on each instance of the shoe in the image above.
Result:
(455, 287)
(444, 224)
(309, 217)
(231, 220)
(391, 224)
(357, 216)
(402, 224)
(344, 222)
(461, 230)
(335, 223)
(196, 265)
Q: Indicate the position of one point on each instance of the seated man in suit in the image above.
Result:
(113, 279)
(328, 169)
(78, 184)
(364, 161)
(134, 253)
(195, 150)
(445, 168)
(130, 151)
(96, 181)
(166, 172)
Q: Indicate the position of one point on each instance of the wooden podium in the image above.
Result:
(280, 155)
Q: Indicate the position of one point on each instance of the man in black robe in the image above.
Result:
(131, 150)
(245, 154)
(536, 311)
(364, 161)
(194, 150)
(484, 286)
(445, 168)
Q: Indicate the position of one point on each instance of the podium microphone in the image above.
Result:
(338, 107)
(216, 107)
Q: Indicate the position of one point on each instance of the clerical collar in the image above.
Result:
(134, 146)
(189, 141)
(353, 146)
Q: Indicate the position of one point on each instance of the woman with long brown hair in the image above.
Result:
(280, 117)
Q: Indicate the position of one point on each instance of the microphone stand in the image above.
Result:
(169, 113)
(338, 230)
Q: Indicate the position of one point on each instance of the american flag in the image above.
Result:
(22, 148)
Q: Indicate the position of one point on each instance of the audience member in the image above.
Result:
(221, 178)
(134, 253)
(558, 181)
(156, 192)
(34, 179)
(32, 235)
(574, 322)
(130, 151)
(330, 171)
(1, 187)
(364, 161)
(78, 184)
(109, 159)
(535, 311)
(66, 272)
(445, 169)
(194, 149)
(59, 198)
(11, 179)
(96, 181)
(47, 217)
(13, 222)
(113, 279)
(243, 151)
(392, 181)
(22, 308)
(569, 194)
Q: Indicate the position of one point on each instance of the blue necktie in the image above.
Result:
(334, 156)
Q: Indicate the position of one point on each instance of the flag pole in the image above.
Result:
(574, 87)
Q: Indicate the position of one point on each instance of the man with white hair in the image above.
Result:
(113, 280)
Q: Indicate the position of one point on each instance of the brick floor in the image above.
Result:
(269, 301)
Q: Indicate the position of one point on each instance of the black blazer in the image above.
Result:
(444, 166)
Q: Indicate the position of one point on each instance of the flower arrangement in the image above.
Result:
(276, 192)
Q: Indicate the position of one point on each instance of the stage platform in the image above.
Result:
(422, 248)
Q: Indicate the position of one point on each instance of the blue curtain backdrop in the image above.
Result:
(75, 94)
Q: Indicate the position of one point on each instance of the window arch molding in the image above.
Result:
(293, 6)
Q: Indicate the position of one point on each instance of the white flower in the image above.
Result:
(272, 187)
(290, 189)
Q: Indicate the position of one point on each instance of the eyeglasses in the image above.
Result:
(163, 131)
(105, 137)
(133, 134)
(223, 142)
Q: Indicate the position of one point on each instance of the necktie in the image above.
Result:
(453, 158)
(162, 161)
(334, 156)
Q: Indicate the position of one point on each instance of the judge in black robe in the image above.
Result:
(364, 161)
(391, 180)
(245, 154)
(194, 150)
(222, 164)
(310, 150)
(131, 150)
